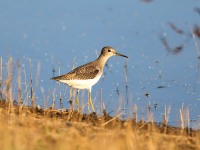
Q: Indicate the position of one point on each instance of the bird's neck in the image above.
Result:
(102, 59)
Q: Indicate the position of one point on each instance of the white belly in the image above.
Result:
(82, 84)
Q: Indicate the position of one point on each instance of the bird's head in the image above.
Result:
(109, 51)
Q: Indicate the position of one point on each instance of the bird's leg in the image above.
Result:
(77, 100)
(90, 99)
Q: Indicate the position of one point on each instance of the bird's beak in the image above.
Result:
(118, 54)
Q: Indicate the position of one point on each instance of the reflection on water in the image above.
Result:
(162, 41)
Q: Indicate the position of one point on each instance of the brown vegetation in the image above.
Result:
(36, 128)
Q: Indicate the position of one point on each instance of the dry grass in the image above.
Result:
(47, 129)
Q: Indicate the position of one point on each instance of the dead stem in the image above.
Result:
(126, 80)
(1, 78)
(59, 87)
(9, 96)
(53, 66)
(53, 100)
(19, 88)
(37, 75)
(198, 57)
(113, 118)
(135, 113)
(31, 85)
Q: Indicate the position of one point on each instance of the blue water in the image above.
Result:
(72, 32)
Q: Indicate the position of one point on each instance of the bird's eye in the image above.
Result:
(109, 50)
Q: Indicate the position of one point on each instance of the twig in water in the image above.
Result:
(97, 53)
(188, 119)
(25, 92)
(73, 64)
(117, 90)
(126, 79)
(53, 101)
(173, 27)
(196, 45)
(155, 105)
(71, 97)
(53, 66)
(9, 97)
(198, 57)
(182, 118)
(37, 75)
(60, 93)
(197, 9)
(175, 50)
(135, 113)
(19, 84)
(166, 116)
(1, 78)
(101, 100)
(149, 107)
(31, 84)
(196, 31)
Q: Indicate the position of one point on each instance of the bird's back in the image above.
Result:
(87, 71)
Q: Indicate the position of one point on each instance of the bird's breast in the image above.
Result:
(82, 84)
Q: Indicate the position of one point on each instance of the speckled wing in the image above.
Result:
(79, 73)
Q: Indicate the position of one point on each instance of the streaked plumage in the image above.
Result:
(85, 76)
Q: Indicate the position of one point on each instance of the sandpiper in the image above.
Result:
(85, 76)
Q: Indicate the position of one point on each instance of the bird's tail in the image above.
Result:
(54, 78)
(58, 78)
